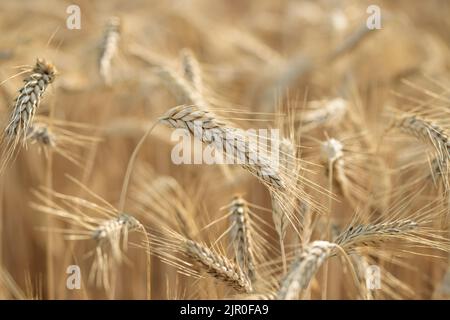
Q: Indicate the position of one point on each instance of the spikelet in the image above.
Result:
(109, 47)
(427, 132)
(322, 113)
(304, 268)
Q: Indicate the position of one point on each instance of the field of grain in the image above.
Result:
(350, 201)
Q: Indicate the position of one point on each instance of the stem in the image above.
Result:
(49, 259)
(126, 179)
(328, 228)
(283, 256)
(148, 266)
(50, 240)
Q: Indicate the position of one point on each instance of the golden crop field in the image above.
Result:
(194, 149)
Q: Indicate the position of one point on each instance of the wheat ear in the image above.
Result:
(205, 126)
(241, 234)
(29, 99)
(25, 106)
(182, 88)
(115, 226)
(109, 47)
(363, 235)
(304, 268)
(324, 113)
(218, 266)
(191, 70)
(427, 132)
(283, 205)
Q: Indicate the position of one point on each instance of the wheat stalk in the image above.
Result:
(29, 99)
(111, 228)
(218, 266)
(91, 221)
(182, 88)
(427, 132)
(205, 126)
(304, 268)
(363, 235)
(283, 206)
(241, 234)
(287, 163)
(25, 106)
(109, 47)
(324, 113)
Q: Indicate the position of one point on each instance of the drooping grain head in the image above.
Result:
(218, 266)
(29, 98)
(232, 142)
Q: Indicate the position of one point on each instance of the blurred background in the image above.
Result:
(255, 56)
